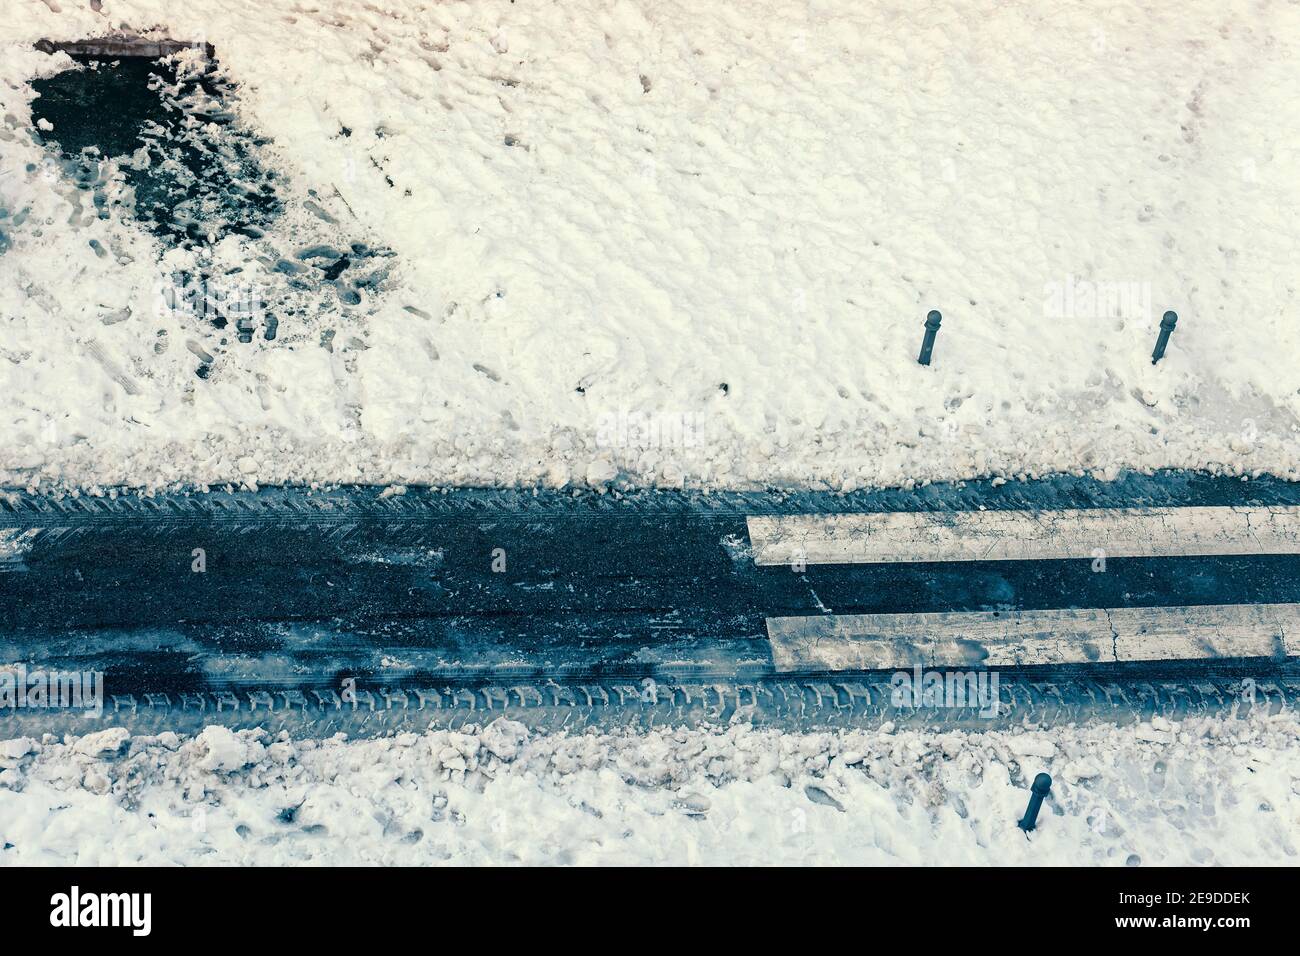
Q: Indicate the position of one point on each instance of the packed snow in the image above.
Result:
(681, 243)
(1204, 791)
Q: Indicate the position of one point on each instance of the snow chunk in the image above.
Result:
(1085, 769)
(1152, 734)
(1031, 745)
(601, 472)
(18, 747)
(505, 738)
(225, 750)
(102, 743)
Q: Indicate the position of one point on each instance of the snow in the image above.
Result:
(1214, 791)
(1032, 745)
(102, 742)
(226, 751)
(733, 219)
(17, 747)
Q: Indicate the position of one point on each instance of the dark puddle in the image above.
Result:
(194, 177)
(193, 169)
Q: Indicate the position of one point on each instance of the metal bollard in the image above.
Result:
(1167, 324)
(1042, 784)
(931, 330)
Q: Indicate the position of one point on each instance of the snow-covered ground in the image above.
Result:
(723, 222)
(1206, 791)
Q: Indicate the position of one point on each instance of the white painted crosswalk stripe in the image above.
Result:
(922, 536)
(1014, 638)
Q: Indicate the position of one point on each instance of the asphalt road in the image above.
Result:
(287, 589)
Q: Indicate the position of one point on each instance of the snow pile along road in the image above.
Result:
(1204, 791)
(683, 243)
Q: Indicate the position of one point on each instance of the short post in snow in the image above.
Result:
(931, 330)
(1166, 329)
(1042, 784)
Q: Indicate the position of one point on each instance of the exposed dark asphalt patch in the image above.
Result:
(161, 142)
(194, 169)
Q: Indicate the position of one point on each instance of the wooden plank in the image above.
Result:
(893, 537)
(122, 46)
(1015, 638)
